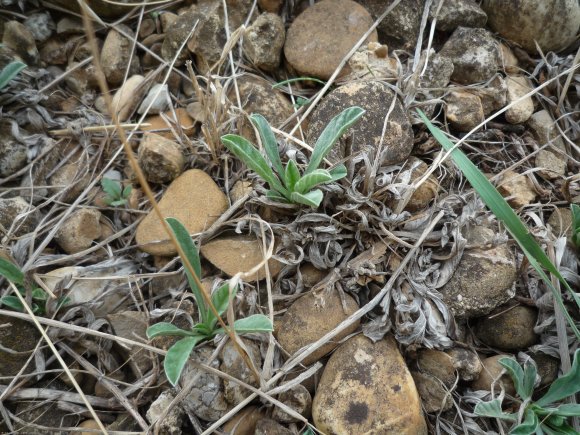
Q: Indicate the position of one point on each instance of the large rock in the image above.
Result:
(375, 97)
(116, 56)
(239, 254)
(264, 41)
(508, 328)
(552, 23)
(322, 35)
(475, 55)
(18, 339)
(457, 13)
(400, 28)
(483, 279)
(194, 199)
(367, 388)
(310, 318)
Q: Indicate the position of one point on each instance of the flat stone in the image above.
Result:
(475, 55)
(516, 188)
(517, 87)
(310, 317)
(237, 254)
(321, 36)
(133, 326)
(457, 13)
(194, 199)
(367, 388)
(375, 98)
(264, 41)
(508, 328)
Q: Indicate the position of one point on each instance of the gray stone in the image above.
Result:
(133, 326)
(18, 339)
(234, 365)
(543, 129)
(457, 13)
(264, 41)
(13, 155)
(40, 25)
(508, 328)
(466, 362)
(267, 426)
(296, 398)
(17, 215)
(156, 101)
(20, 39)
(172, 421)
(463, 110)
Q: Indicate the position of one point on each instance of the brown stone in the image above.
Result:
(161, 159)
(166, 124)
(491, 372)
(79, 231)
(508, 328)
(116, 56)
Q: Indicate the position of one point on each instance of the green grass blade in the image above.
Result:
(177, 357)
(312, 199)
(575, 208)
(333, 131)
(247, 153)
(313, 179)
(498, 205)
(10, 71)
(291, 174)
(11, 272)
(298, 79)
(192, 254)
(269, 142)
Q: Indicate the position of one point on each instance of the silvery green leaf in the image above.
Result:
(313, 198)
(269, 141)
(291, 175)
(493, 409)
(313, 179)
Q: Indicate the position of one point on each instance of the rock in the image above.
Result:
(18, 38)
(412, 170)
(542, 127)
(547, 366)
(172, 421)
(194, 199)
(296, 398)
(206, 398)
(508, 60)
(244, 422)
(102, 8)
(436, 78)
(434, 395)
(475, 55)
(552, 23)
(16, 217)
(320, 37)
(508, 328)
(483, 280)
(13, 154)
(310, 317)
(464, 110)
(209, 37)
(367, 388)
(437, 364)
(116, 56)
(18, 336)
(161, 159)
(560, 222)
(177, 34)
(466, 362)
(376, 98)
(181, 122)
(89, 424)
(311, 275)
(494, 96)
(264, 40)
(491, 372)
(371, 61)
(156, 101)
(79, 231)
(167, 20)
(270, 5)
(239, 190)
(517, 87)
(128, 96)
(239, 254)
(267, 426)
(71, 178)
(457, 13)
(133, 326)
(400, 28)
(234, 365)
(40, 25)
(517, 189)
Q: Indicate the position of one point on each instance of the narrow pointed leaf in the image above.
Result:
(516, 373)
(269, 141)
(529, 380)
(165, 328)
(338, 172)
(565, 410)
(493, 409)
(248, 154)
(528, 426)
(275, 196)
(11, 272)
(333, 131)
(192, 256)
(255, 323)
(10, 71)
(177, 357)
(497, 204)
(565, 385)
(312, 199)
(291, 175)
(12, 302)
(313, 179)
(549, 429)
(575, 208)
(221, 299)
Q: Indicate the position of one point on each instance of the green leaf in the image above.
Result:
(338, 172)
(177, 356)
(112, 188)
(127, 191)
(565, 385)
(333, 131)
(12, 302)
(167, 329)
(192, 256)
(248, 154)
(508, 217)
(255, 323)
(11, 272)
(39, 294)
(313, 198)
(275, 196)
(269, 141)
(528, 426)
(116, 203)
(516, 373)
(10, 71)
(564, 429)
(565, 410)
(313, 179)
(298, 79)
(529, 380)
(493, 409)
(221, 299)
(291, 175)
(575, 208)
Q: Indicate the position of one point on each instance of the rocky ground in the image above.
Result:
(392, 302)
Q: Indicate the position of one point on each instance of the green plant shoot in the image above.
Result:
(116, 195)
(541, 416)
(207, 327)
(498, 205)
(575, 208)
(286, 184)
(9, 72)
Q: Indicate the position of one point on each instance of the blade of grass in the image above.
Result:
(297, 79)
(498, 205)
